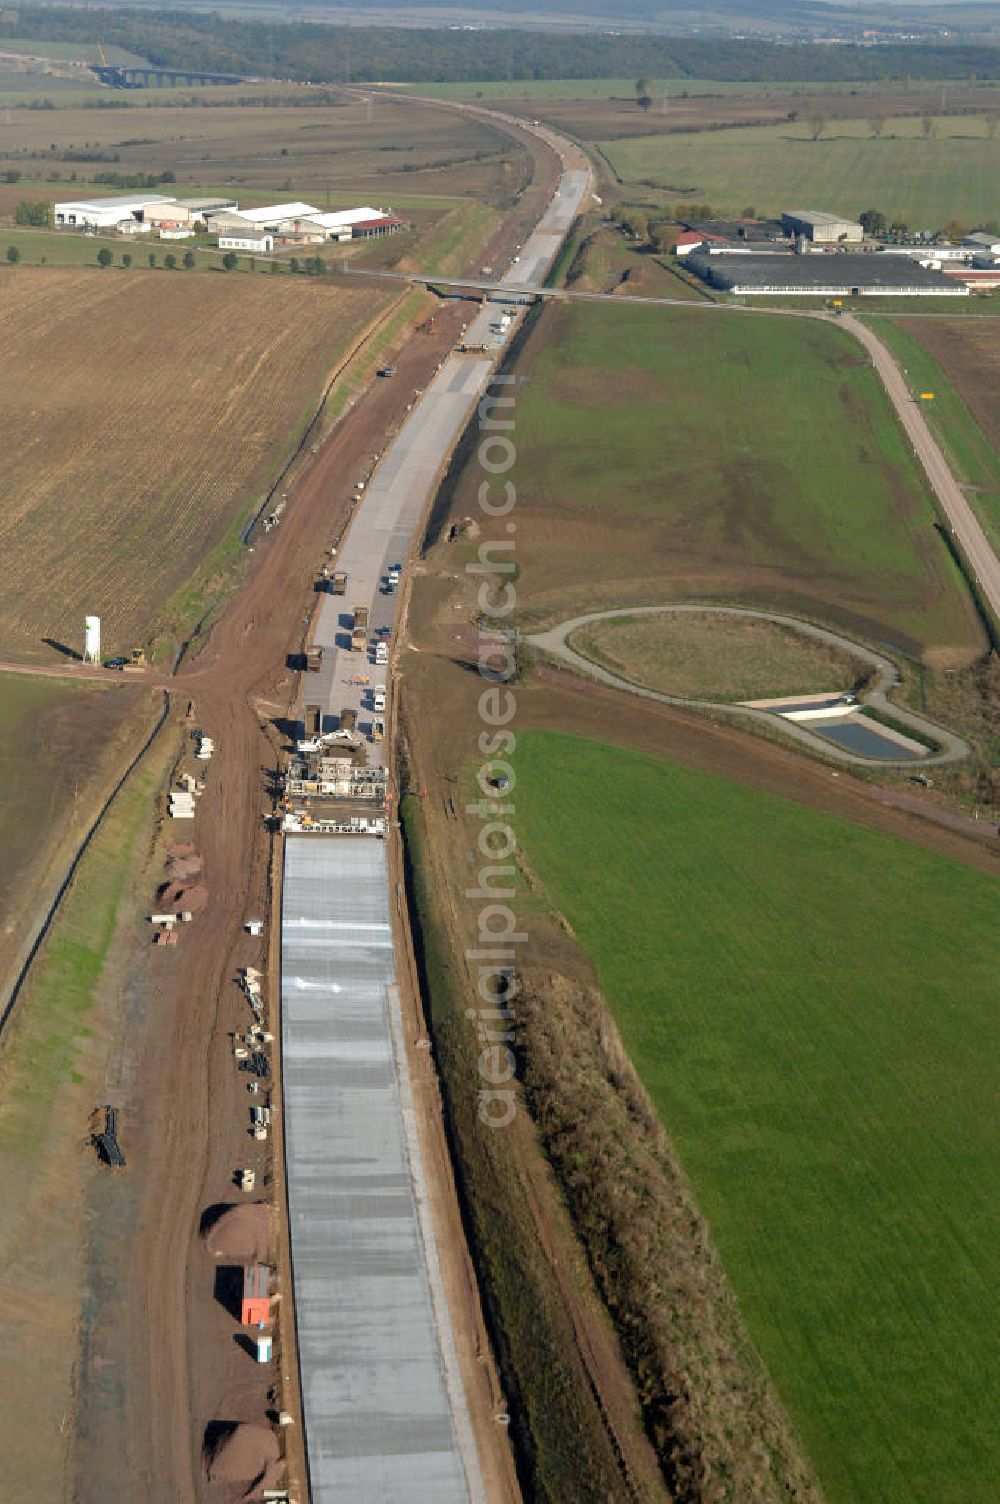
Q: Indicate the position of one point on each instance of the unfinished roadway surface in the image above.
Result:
(384, 1411)
(385, 1416)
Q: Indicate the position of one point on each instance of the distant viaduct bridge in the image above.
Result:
(121, 76)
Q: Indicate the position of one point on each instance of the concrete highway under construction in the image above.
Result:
(384, 1410)
(394, 1372)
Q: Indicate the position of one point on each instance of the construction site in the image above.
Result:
(276, 902)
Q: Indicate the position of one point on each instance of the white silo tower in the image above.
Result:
(91, 639)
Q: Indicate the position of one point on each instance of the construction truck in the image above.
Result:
(339, 586)
(133, 664)
(361, 616)
(314, 660)
(314, 720)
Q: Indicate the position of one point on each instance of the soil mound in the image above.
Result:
(241, 1235)
(466, 527)
(246, 1454)
(179, 896)
(183, 866)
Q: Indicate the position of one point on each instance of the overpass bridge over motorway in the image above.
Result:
(508, 291)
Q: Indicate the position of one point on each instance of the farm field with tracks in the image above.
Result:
(144, 415)
(697, 454)
(61, 748)
(959, 361)
(825, 1075)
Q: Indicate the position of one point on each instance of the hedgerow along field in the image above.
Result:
(144, 415)
(699, 453)
(786, 984)
(923, 181)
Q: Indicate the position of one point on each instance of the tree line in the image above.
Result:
(314, 53)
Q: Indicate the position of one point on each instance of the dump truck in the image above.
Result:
(339, 585)
(314, 720)
(378, 730)
(359, 640)
(348, 719)
(314, 660)
(361, 616)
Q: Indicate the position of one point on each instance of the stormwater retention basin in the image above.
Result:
(867, 739)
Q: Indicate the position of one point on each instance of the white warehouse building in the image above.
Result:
(107, 213)
(251, 239)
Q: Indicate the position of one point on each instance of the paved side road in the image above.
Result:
(965, 524)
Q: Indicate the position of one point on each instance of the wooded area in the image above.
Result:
(332, 54)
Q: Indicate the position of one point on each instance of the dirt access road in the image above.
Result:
(163, 1364)
(162, 1330)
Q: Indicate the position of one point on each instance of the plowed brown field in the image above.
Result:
(143, 413)
(970, 356)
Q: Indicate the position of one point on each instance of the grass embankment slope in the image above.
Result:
(958, 360)
(675, 454)
(133, 458)
(557, 1430)
(787, 986)
(924, 181)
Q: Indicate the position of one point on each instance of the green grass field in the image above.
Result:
(57, 248)
(970, 453)
(614, 88)
(712, 657)
(954, 174)
(670, 453)
(790, 991)
(71, 51)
